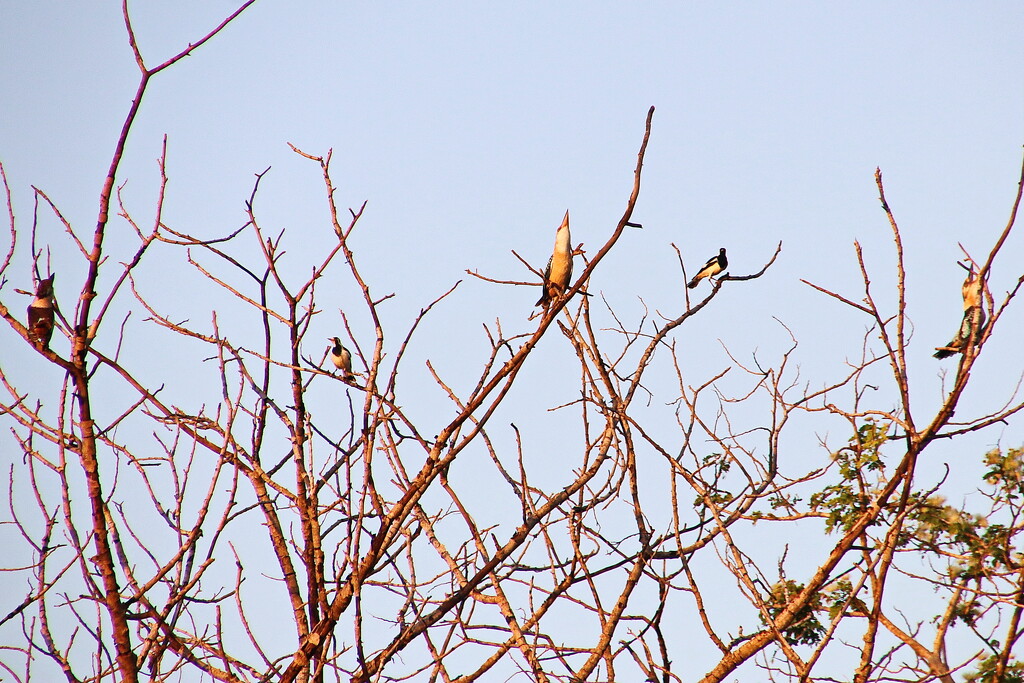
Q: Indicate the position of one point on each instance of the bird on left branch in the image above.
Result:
(40, 314)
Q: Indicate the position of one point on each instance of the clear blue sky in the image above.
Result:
(469, 128)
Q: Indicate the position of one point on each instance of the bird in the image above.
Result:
(971, 290)
(40, 314)
(970, 331)
(341, 357)
(559, 268)
(714, 266)
(973, 321)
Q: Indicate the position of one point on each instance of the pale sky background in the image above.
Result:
(469, 128)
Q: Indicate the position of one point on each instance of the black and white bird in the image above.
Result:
(973, 321)
(559, 269)
(342, 358)
(714, 266)
(40, 314)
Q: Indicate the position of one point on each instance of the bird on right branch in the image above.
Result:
(973, 321)
(714, 266)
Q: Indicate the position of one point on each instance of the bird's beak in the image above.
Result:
(565, 221)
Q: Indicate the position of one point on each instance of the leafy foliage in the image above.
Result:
(806, 628)
(988, 672)
(846, 501)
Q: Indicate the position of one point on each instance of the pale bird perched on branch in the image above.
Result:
(40, 314)
(973, 321)
(559, 269)
(971, 290)
(342, 358)
(714, 266)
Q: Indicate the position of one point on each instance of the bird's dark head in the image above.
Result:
(721, 252)
(45, 287)
(337, 342)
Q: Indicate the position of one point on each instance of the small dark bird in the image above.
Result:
(714, 266)
(559, 269)
(40, 314)
(342, 358)
(973, 321)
